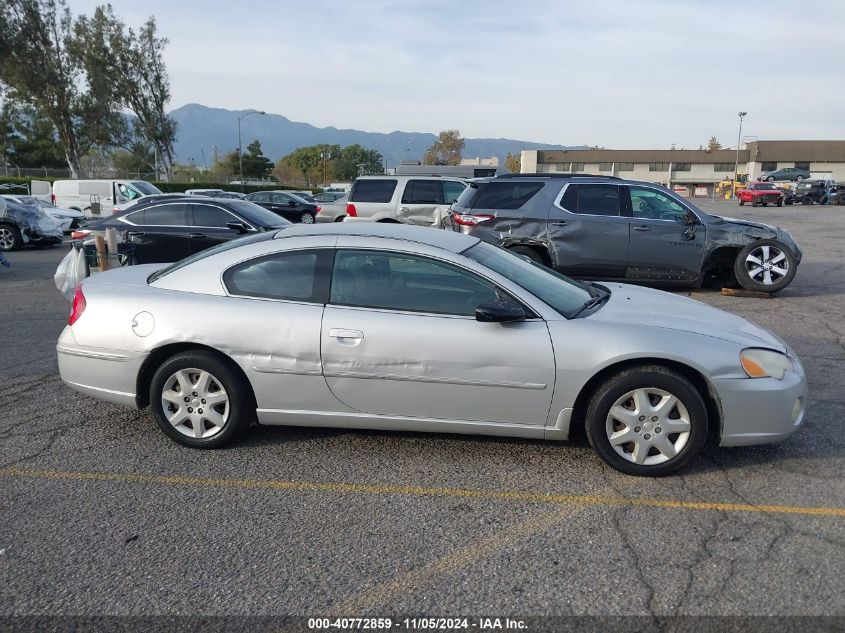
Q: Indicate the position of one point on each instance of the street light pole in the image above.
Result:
(736, 165)
(240, 149)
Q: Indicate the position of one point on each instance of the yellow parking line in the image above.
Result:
(387, 489)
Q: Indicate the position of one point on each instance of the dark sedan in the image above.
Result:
(287, 205)
(173, 228)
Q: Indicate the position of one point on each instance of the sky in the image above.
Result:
(613, 73)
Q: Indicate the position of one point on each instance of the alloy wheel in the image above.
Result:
(7, 240)
(648, 426)
(767, 265)
(307, 218)
(195, 403)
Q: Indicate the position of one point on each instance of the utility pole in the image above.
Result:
(736, 165)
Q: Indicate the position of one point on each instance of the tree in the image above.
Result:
(356, 160)
(38, 64)
(446, 150)
(27, 138)
(255, 163)
(513, 163)
(713, 144)
(128, 67)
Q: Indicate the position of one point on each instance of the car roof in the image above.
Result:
(447, 240)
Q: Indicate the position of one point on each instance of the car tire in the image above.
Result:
(799, 178)
(806, 201)
(780, 202)
(746, 264)
(10, 238)
(527, 251)
(642, 391)
(741, 202)
(205, 374)
(754, 202)
(765, 204)
(771, 178)
(307, 218)
(339, 218)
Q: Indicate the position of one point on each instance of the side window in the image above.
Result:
(375, 190)
(598, 199)
(422, 192)
(294, 276)
(162, 215)
(258, 197)
(506, 195)
(569, 201)
(208, 216)
(452, 191)
(130, 193)
(279, 198)
(649, 204)
(396, 281)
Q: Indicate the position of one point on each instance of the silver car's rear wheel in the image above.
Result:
(648, 426)
(195, 403)
(201, 399)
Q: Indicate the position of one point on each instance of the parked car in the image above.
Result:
(333, 211)
(601, 227)
(405, 328)
(26, 224)
(79, 194)
(329, 196)
(811, 192)
(232, 195)
(836, 194)
(287, 205)
(68, 219)
(305, 195)
(786, 173)
(168, 230)
(758, 193)
(422, 200)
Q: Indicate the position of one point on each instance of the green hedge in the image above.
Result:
(174, 187)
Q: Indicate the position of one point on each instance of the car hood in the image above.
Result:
(756, 225)
(65, 213)
(655, 308)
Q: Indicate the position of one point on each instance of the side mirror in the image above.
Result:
(499, 312)
(291, 203)
(240, 227)
(689, 218)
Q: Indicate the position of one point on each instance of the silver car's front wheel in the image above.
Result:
(648, 426)
(195, 403)
(647, 420)
(201, 399)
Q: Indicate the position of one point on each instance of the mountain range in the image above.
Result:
(201, 129)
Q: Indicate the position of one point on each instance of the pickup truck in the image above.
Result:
(758, 193)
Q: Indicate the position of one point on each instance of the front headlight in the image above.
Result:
(764, 363)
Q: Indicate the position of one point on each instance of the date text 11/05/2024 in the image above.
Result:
(417, 624)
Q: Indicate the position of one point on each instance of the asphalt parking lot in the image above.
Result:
(100, 514)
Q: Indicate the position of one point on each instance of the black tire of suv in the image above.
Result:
(527, 251)
(637, 377)
(748, 283)
(17, 240)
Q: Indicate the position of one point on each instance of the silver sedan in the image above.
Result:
(404, 328)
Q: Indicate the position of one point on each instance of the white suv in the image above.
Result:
(422, 200)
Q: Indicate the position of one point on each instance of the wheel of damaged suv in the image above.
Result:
(647, 420)
(765, 266)
(527, 251)
(10, 237)
(199, 401)
(307, 218)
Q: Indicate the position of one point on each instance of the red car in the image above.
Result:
(761, 193)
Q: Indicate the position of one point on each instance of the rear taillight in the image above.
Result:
(53, 199)
(318, 209)
(79, 234)
(351, 211)
(467, 219)
(115, 209)
(78, 306)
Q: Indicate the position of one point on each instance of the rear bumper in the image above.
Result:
(102, 374)
(762, 410)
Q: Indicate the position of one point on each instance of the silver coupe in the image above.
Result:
(409, 329)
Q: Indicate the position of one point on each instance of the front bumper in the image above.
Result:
(762, 410)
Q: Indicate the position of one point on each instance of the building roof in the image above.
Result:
(640, 156)
(811, 151)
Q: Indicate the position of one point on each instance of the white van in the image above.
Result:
(79, 194)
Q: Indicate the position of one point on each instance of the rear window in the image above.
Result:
(376, 190)
(254, 214)
(503, 195)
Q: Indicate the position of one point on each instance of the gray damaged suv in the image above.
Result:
(602, 227)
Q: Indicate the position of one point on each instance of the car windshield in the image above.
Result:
(146, 188)
(256, 214)
(563, 294)
(220, 248)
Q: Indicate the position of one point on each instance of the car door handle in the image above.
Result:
(642, 228)
(197, 236)
(341, 333)
(404, 209)
(560, 223)
(134, 233)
